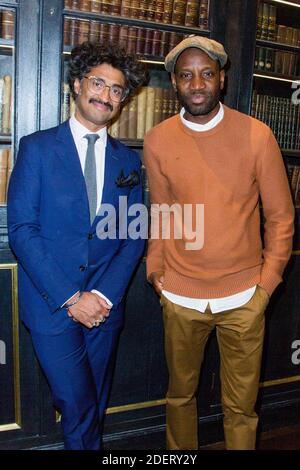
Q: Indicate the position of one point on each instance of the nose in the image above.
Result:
(105, 93)
(197, 83)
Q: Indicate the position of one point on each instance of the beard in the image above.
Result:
(200, 109)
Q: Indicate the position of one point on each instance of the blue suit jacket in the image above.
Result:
(49, 228)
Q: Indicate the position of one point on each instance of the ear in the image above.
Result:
(77, 86)
(173, 80)
(222, 79)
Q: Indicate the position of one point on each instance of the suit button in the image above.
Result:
(83, 267)
(45, 296)
(90, 236)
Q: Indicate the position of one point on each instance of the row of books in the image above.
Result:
(6, 24)
(180, 12)
(281, 115)
(267, 27)
(293, 172)
(5, 104)
(143, 41)
(151, 106)
(280, 62)
(6, 165)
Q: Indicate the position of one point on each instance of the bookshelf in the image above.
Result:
(7, 55)
(150, 30)
(277, 71)
(275, 98)
(43, 33)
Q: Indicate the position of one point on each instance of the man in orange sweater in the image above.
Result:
(214, 157)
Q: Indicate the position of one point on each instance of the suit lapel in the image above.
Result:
(66, 150)
(112, 169)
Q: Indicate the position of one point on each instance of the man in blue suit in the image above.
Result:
(72, 277)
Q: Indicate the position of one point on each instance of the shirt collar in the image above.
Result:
(79, 131)
(203, 127)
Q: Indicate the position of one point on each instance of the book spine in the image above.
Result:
(272, 23)
(159, 11)
(192, 13)
(7, 24)
(3, 174)
(156, 40)
(265, 21)
(105, 7)
(150, 108)
(85, 5)
(158, 100)
(95, 6)
(67, 27)
(141, 112)
(134, 9)
(132, 118)
(123, 125)
(1, 102)
(75, 4)
(6, 119)
(83, 31)
(104, 33)
(144, 5)
(151, 10)
(114, 30)
(10, 164)
(131, 40)
(125, 8)
(115, 9)
(179, 8)
(74, 28)
(68, 4)
(94, 31)
(203, 15)
(148, 41)
(168, 11)
(259, 20)
(123, 36)
(140, 41)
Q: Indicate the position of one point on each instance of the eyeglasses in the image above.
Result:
(98, 85)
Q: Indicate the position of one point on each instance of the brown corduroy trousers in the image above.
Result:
(240, 334)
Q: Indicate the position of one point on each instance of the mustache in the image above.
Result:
(108, 105)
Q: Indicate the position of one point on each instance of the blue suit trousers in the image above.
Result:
(78, 364)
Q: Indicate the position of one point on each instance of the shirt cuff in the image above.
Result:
(102, 296)
(62, 306)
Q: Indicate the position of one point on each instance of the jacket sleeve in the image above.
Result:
(23, 209)
(114, 282)
(278, 210)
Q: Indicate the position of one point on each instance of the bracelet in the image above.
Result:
(74, 301)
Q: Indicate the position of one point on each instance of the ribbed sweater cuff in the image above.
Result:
(269, 280)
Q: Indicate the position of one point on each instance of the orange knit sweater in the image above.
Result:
(227, 169)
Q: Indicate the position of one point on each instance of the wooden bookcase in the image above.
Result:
(37, 59)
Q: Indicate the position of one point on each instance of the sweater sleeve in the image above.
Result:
(159, 194)
(278, 211)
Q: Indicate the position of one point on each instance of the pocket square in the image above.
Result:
(131, 180)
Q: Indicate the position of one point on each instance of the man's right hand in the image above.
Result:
(89, 309)
(157, 281)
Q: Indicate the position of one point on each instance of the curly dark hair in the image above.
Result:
(88, 55)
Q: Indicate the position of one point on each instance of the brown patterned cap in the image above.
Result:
(213, 49)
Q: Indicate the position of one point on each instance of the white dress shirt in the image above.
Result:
(223, 303)
(78, 133)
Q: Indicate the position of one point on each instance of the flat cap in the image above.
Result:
(213, 49)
